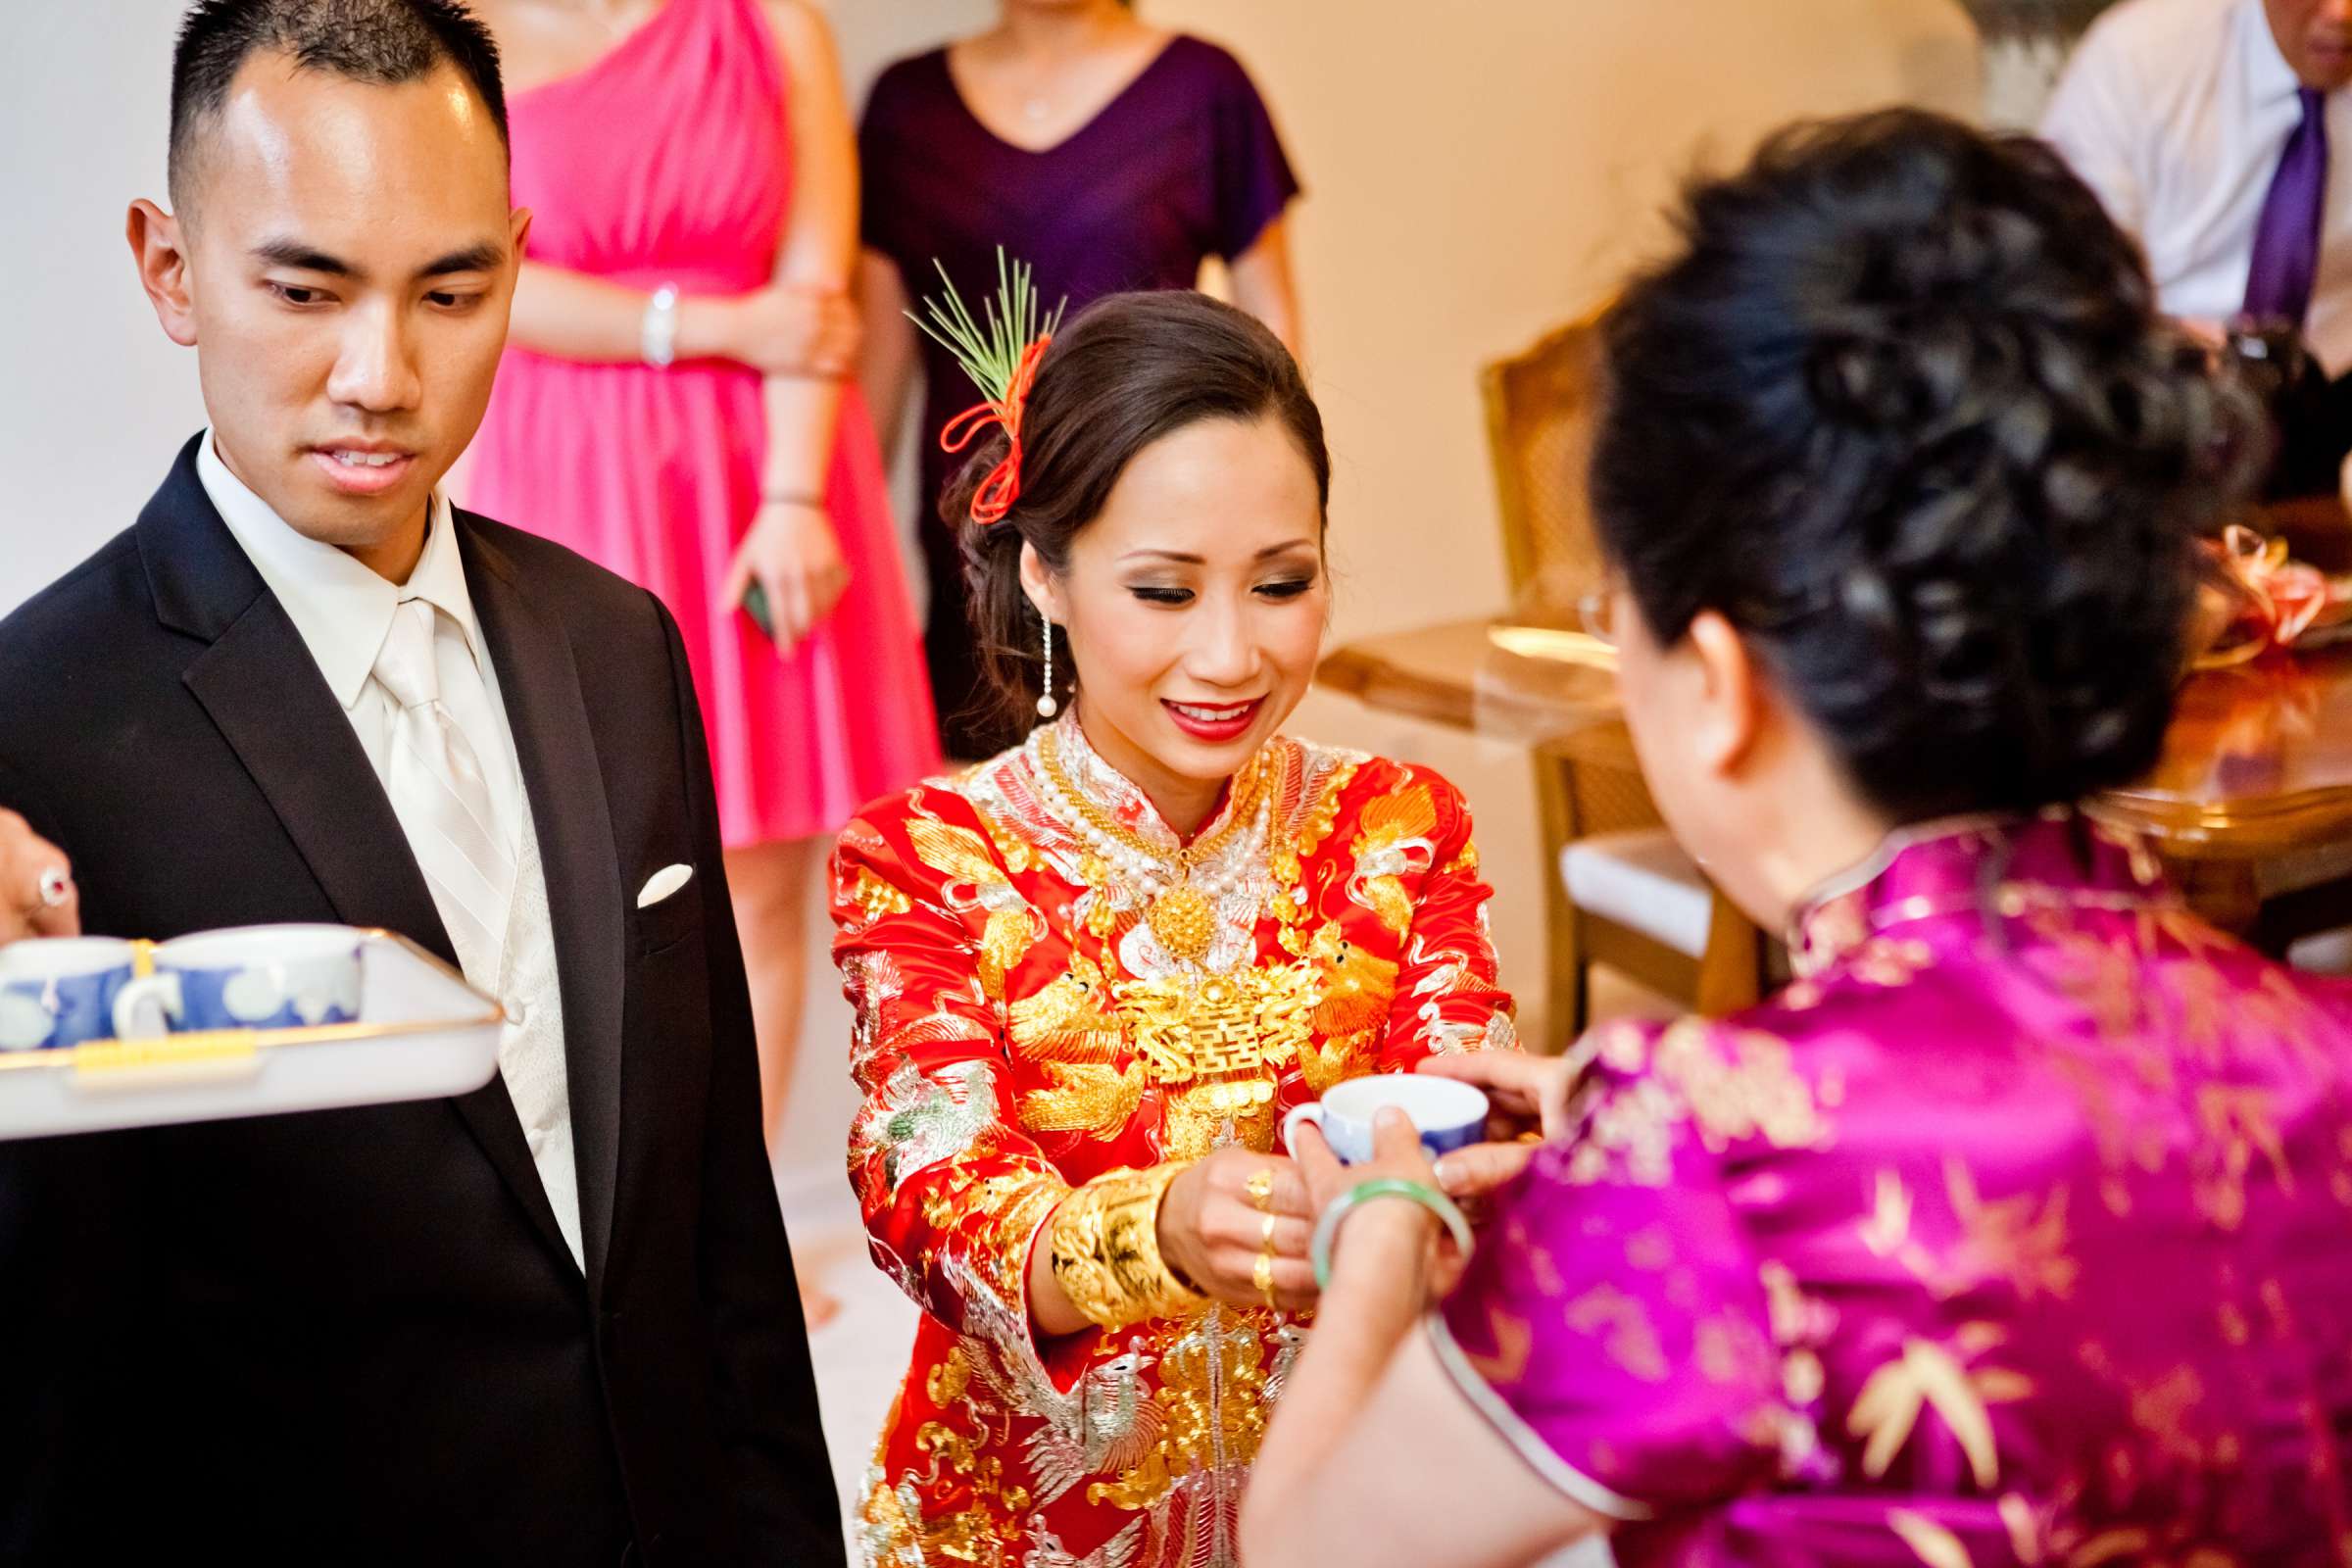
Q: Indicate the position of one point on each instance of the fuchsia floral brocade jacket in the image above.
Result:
(2017, 1231)
(1022, 1029)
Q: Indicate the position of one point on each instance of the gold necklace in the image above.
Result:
(1181, 916)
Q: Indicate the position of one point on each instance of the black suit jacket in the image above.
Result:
(359, 1334)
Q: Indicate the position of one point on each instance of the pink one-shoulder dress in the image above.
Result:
(669, 161)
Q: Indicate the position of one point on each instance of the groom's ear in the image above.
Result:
(518, 235)
(159, 249)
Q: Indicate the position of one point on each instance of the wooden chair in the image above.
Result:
(1621, 891)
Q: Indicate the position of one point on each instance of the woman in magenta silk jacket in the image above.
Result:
(2017, 1228)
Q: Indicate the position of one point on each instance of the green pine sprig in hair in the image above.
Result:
(990, 349)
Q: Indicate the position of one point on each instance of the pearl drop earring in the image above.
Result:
(1047, 707)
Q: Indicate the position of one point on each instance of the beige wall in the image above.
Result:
(1474, 173)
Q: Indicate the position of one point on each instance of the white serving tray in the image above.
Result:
(422, 1033)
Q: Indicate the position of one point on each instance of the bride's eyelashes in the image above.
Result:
(1279, 591)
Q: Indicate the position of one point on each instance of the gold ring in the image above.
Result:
(1261, 1273)
(1261, 1188)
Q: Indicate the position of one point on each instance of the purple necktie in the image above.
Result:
(2286, 238)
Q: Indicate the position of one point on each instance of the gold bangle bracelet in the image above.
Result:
(1106, 1250)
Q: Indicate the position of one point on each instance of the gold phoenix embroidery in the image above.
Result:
(1395, 826)
(961, 857)
(1211, 1400)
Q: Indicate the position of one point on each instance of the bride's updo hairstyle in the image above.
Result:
(1129, 370)
(1902, 410)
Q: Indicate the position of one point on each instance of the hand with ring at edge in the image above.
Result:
(1221, 1217)
(37, 895)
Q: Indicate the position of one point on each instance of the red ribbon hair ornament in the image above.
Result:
(1002, 486)
(1002, 359)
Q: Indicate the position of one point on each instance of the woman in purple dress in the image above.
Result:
(2014, 1230)
(1110, 155)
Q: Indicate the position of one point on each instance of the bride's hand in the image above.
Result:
(1212, 1230)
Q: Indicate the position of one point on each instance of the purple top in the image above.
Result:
(1182, 164)
(1988, 1241)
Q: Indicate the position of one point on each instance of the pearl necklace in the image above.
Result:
(1182, 912)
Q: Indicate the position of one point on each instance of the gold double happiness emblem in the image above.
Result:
(1238, 1029)
(1216, 1046)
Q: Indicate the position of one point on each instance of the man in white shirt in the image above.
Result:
(552, 1321)
(2207, 128)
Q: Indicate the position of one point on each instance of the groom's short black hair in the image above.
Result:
(385, 42)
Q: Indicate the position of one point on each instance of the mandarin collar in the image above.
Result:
(1940, 867)
(1113, 791)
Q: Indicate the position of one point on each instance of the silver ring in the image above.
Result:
(57, 884)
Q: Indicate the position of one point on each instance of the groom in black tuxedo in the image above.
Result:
(550, 1322)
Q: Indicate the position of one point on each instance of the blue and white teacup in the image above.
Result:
(57, 992)
(261, 977)
(1447, 1114)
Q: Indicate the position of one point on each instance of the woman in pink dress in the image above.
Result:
(2013, 1232)
(672, 406)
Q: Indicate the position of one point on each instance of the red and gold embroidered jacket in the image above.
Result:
(1023, 1028)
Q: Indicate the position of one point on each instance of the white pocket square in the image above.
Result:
(662, 883)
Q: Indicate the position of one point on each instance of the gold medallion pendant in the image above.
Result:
(1185, 922)
(1183, 917)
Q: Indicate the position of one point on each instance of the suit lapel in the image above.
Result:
(275, 710)
(540, 685)
(257, 679)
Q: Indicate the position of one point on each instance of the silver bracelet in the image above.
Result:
(658, 334)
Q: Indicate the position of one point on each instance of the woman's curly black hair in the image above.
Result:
(1904, 412)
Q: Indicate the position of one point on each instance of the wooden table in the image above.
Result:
(2254, 794)
(2254, 787)
(1519, 678)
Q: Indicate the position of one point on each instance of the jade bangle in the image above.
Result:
(1328, 1227)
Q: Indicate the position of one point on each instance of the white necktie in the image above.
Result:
(442, 799)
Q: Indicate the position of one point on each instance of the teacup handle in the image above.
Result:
(1300, 1115)
(148, 1006)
